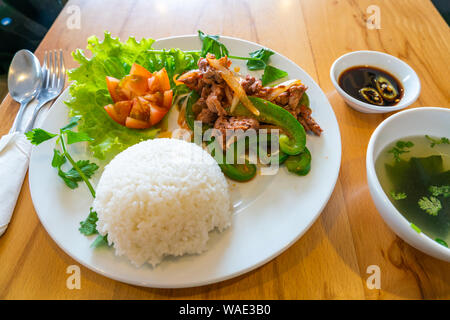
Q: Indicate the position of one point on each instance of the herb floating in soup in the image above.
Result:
(371, 85)
(415, 174)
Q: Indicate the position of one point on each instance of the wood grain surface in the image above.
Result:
(330, 261)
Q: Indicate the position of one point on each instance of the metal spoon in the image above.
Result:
(24, 81)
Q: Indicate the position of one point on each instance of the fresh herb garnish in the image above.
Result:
(272, 74)
(400, 148)
(81, 170)
(442, 242)
(211, 44)
(434, 141)
(262, 57)
(37, 136)
(88, 227)
(100, 241)
(398, 196)
(440, 191)
(430, 205)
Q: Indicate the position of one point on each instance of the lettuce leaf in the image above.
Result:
(89, 93)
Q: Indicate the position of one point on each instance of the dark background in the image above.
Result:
(24, 23)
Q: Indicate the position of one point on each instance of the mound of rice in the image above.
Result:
(161, 197)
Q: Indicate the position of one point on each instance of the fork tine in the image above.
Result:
(45, 69)
(55, 68)
(50, 69)
(62, 70)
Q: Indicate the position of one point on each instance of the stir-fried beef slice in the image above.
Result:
(206, 116)
(235, 123)
(305, 118)
(216, 97)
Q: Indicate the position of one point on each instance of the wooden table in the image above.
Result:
(330, 261)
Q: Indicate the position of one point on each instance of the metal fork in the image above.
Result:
(54, 77)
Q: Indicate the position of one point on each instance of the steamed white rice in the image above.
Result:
(161, 197)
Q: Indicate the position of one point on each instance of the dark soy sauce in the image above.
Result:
(371, 85)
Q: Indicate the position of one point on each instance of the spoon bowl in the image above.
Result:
(24, 81)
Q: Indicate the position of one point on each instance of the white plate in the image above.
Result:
(271, 212)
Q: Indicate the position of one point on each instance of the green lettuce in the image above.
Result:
(89, 93)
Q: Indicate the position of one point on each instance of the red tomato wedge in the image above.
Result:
(135, 85)
(163, 79)
(119, 111)
(136, 124)
(156, 113)
(167, 102)
(139, 70)
(153, 84)
(140, 109)
(114, 90)
(142, 98)
(112, 113)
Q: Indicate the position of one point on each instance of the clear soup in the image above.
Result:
(414, 172)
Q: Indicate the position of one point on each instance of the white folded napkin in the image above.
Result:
(15, 152)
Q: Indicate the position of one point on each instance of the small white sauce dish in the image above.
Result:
(402, 71)
(413, 122)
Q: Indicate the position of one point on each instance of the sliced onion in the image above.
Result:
(234, 84)
(234, 103)
(282, 88)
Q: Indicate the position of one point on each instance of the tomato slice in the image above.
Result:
(167, 102)
(139, 70)
(112, 113)
(136, 124)
(156, 113)
(114, 90)
(119, 111)
(153, 84)
(140, 109)
(156, 97)
(134, 85)
(163, 79)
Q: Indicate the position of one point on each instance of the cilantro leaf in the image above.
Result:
(399, 149)
(263, 55)
(440, 191)
(87, 167)
(434, 141)
(72, 177)
(72, 123)
(398, 196)
(211, 44)
(272, 74)
(58, 159)
(88, 227)
(74, 137)
(71, 183)
(100, 241)
(430, 205)
(37, 136)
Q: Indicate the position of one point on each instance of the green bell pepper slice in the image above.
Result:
(294, 142)
(299, 164)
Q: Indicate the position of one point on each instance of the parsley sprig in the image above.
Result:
(434, 142)
(81, 170)
(88, 227)
(430, 205)
(400, 148)
(398, 195)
